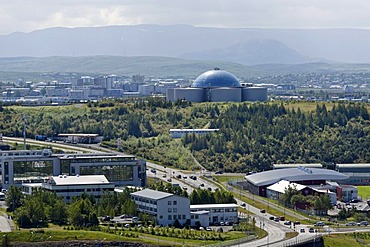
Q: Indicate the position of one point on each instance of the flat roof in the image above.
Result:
(280, 166)
(79, 135)
(33, 185)
(80, 180)
(207, 206)
(152, 194)
(70, 157)
(283, 184)
(191, 130)
(358, 165)
(293, 174)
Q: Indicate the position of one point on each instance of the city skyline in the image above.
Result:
(27, 16)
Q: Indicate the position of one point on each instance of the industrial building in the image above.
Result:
(358, 174)
(167, 208)
(37, 166)
(217, 86)
(284, 166)
(257, 183)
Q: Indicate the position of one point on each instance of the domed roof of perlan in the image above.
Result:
(216, 78)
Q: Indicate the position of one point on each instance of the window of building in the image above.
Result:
(174, 202)
(161, 216)
(175, 217)
(169, 203)
(174, 210)
(183, 217)
(169, 217)
(169, 210)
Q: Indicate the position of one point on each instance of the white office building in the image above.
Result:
(166, 207)
(74, 186)
(216, 213)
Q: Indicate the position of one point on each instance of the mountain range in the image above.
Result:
(248, 46)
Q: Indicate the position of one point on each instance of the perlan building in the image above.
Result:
(217, 86)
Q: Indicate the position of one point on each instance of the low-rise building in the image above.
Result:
(73, 186)
(166, 207)
(216, 213)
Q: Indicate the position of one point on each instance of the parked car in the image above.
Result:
(297, 223)
(243, 204)
(354, 201)
(271, 218)
(351, 223)
(263, 211)
(311, 230)
(201, 185)
(302, 230)
(276, 219)
(339, 206)
(208, 229)
(288, 223)
(219, 172)
(222, 223)
(281, 218)
(178, 176)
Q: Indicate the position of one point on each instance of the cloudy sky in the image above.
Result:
(29, 15)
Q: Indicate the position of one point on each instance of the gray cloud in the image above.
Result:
(26, 16)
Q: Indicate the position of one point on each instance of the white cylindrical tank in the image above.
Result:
(254, 94)
(225, 94)
(190, 94)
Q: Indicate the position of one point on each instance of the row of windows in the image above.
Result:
(217, 210)
(172, 202)
(177, 217)
(194, 217)
(147, 208)
(174, 210)
(146, 200)
(83, 190)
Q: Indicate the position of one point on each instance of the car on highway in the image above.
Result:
(319, 223)
(362, 223)
(297, 223)
(263, 211)
(243, 204)
(202, 185)
(178, 176)
(287, 223)
(184, 187)
(184, 177)
(153, 170)
(351, 223)
(219, 172)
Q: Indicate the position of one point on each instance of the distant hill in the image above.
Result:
(342, 45)
(36, 68)
(148, 66)
(265, 51)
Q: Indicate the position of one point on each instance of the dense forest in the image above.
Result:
(252, 136)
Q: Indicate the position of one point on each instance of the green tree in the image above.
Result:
(14, 198)
(59, 213)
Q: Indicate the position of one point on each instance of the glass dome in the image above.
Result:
(216, 78)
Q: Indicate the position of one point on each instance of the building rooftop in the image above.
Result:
(152, 194)
(207, 206)
(80, 180)
(283, 184)
(216, 78)
(293, 174)
(363, 165)
(280, 166)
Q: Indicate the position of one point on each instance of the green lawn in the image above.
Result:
(364, 192)
(345, 240)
